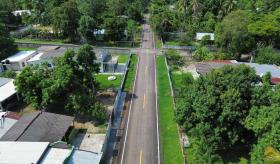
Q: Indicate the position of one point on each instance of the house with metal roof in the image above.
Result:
(200, 35)
(46, 54)
(39, 127)
(7, 90)
(203, 68)
(44, 153)
(35, 152)
(18, 61)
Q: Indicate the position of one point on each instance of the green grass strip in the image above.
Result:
(123, 58)
(26, 49)
(27, 40)
(170, 146)
(130, 74)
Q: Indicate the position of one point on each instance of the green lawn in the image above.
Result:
(27, 40)
(26, 49)
(123, 58)
(178, 43)
(158, 42)
(171, 149)
(130, 74)
(104, 83)
(178, 79)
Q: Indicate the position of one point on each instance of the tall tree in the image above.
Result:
(86, 58)
(65, 20)
(7, 45)
(232, 33)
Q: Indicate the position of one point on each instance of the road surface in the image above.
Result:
(141, 144)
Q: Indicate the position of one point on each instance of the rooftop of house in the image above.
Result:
(7, 88)
(200, 35)
(19, 56)
(39, 127)
(51, 51)
(36, 57)
(10, 119)
(22, 152)
(4, 81)
(261, 69)
(84, 157)
(44, 153)
(20, 12)
(205, 67)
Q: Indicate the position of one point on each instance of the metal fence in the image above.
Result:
(188, 48)
(113, 125)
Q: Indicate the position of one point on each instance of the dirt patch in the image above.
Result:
(107, 99)
(90, 127)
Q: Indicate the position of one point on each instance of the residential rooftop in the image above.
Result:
(7, 88)
(22, 152)
(39, 127)
(19, 56)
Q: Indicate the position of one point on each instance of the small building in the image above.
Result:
(200, 35)
(84, 157)
(21, 12)
(18, 61)
(101, 58)
(39, 127)
(22, 152)
(7, 120)
(7, 90)
(46, 54)
(44, 153)
(34, 152)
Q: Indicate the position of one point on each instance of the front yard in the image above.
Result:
(104, 83)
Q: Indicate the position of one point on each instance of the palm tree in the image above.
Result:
(196, 7)
(228, 6)
(183, 6)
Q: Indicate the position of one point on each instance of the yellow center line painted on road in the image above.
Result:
(140, 160)
(144, 101)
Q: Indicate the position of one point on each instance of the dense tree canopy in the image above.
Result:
(7, 46)
(232, 33)
(226, 109)
(70, 83)
(267, 55)
(65, 20)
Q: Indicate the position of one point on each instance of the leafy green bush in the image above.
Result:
(202, 53)
(99, 113)
(8, 74)
(267, 55)
(205, 40)
(174, 59)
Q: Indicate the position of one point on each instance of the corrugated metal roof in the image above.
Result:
(49, 52)
(21, 152)
(39, 127)
(19, 128)
(200, 35)
(84, 157)
(20, 56)
(262, 69)
(4, 81)
(7, 90)
(205, 67)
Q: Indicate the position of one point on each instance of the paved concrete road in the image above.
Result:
(141, 138)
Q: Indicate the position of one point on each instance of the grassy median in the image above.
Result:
(170, 146)
(130, 74)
